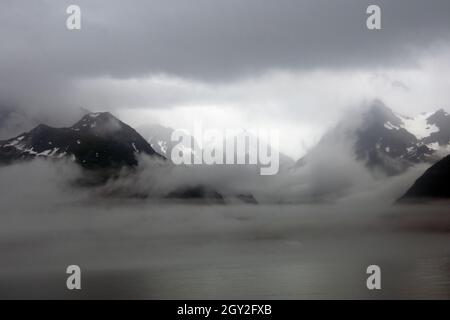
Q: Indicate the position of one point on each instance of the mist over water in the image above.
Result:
(135, 248)
(309, 69)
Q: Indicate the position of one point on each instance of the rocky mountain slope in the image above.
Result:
(98, 140)
(433, 184)
(390, 143)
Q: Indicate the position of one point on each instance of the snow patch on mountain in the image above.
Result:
(98, 140)
(388, 125)
(419, 125)
(163, 146)
(433, 146)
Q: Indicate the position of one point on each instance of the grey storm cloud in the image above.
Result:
(211, 40)
(208, 41)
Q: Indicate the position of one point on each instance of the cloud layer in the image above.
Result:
(293, 64)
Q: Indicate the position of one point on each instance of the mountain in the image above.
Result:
(390, 143)
(159, 138)
(439, 133)
(384, 144)
(433, 184)
(98, 140)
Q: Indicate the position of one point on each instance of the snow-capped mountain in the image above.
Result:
(389, 142)
(439, 137)
(98, 140)
(430, 129)
(384, 143)
(159, 138)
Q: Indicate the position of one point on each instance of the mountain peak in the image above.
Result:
(437, 117)
(97, 140)
(442, 112)
(378, 104)
(379, 115)
(98, 116)
(99, 123)
(104, 114)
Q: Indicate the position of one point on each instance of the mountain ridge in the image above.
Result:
(391, 143)
(97, 140)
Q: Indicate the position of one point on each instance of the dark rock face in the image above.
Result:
(199, 192)
(98, 140)
(433, 184)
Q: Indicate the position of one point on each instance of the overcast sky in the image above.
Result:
(296, 65)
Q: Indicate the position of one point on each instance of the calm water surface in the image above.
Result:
(161, 251)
